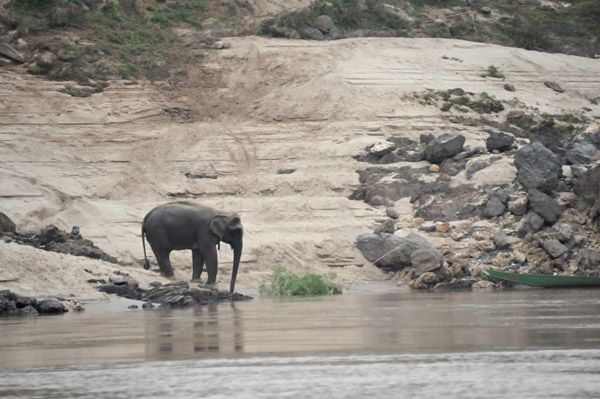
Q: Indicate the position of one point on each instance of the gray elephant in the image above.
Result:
(188, 225)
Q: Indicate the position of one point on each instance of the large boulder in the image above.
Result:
(499, 141)
(324, 23)
(6, 225)
(7, 51)
(554, 247)
(545, 206)
(538, 167)
(389, 251)
(426, 260)
(582, 153)
(587, 260)
(588, 184)
(445, 146)
(51, 306)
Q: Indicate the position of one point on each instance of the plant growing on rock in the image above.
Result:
(285, 283)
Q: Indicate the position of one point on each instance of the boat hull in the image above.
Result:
(545, 280)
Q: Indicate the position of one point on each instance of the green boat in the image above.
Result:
(545, 280)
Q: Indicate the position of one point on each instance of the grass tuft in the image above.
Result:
(285, 283)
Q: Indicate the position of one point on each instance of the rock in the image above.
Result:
(50, 306)
(382, 148)
(587, 259)
(43, 63)
(155, 284)
(424, 281)
(518, 205)
(118, 280)
(474, 167)
(514, 115)
(564, 232)
(23, 301)
(503, 259)
(538, 167)
(587, 185)
(27, 311)
(389, 251)
(442, 227)
(468, 151)
(500, 240)
(426, 138)
(545, 206)
(483, 285)
(554, 86)
(499, 141)
(509, 87)
(6, 225)
(211, 174)
(494, 207)
(426, 260)
(386, 227)
(324, 23)
(554, 248)
(582, 153)
(7, 51)
(285, 171)
(311, 33)
(577, 171)
(532, 222)
(445, 146)
(392, 213)
(133, 307)
(414, 156)
(434, 168)
(147, 305)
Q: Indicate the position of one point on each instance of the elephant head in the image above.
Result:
(229, 229)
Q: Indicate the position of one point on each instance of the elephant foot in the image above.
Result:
(196, 280)
(212, 287)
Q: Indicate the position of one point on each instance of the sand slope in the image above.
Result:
(245, 115)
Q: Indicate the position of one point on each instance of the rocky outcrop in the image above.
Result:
(7, 51)
(539, 220)
(389, 251)
(539, 168)
(178, 294)
(13, 304)
(445, 146)
(53, 239)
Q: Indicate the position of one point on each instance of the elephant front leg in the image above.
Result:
(211, 264)
(198, 265)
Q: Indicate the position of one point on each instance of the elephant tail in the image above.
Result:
(146, 263)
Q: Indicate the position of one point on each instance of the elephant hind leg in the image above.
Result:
(164, 263)
(198, 264)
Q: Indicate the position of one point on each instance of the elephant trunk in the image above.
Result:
(237, 255)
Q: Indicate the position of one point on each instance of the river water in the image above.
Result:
(527, 343)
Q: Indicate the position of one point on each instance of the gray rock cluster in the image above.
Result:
(13, 304)
(547, 220)
(178, 294)
(53, 239)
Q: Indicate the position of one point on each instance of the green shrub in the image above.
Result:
(493, 72)
(159, 17)
(285, 283)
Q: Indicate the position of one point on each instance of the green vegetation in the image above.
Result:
(139, 39)
(285, 283)
(347, 15)
(493, 72)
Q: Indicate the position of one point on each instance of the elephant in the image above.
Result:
(188, 225)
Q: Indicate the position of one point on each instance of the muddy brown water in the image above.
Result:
(522, 343)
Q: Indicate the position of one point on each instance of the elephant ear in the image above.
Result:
(218, 225)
